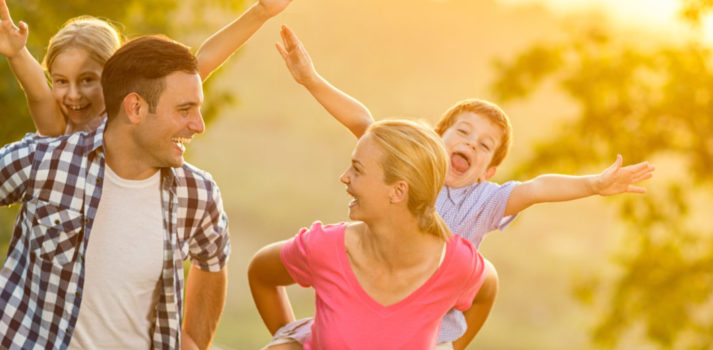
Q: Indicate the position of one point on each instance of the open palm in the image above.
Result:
(617, 179)
(12, 38)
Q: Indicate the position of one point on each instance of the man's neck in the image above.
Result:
(124, 157)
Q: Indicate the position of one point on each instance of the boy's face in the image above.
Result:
(471, 142)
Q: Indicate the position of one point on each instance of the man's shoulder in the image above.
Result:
(75, 142)
(193, 181)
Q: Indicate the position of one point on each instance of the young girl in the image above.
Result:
(75, 57)
(385, 281)
(477, 136)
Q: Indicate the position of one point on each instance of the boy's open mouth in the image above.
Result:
(460, 162)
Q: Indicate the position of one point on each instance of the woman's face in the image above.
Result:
(76, 86)
(365, 182)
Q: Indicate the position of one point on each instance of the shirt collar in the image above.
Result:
(456, 195)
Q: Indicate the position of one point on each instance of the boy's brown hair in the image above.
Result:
(487, 110)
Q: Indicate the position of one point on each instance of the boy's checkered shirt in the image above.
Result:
(58, 181)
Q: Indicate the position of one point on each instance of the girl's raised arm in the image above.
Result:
(222, 44)
(29, 74)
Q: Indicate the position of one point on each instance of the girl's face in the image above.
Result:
(365, 182)
(76, 86)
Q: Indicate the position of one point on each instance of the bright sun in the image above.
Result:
(655, 14)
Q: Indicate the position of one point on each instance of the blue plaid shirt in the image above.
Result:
(59, 183)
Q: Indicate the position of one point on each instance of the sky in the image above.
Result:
(658, 15)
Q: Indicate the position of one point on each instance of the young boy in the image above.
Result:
(477, 136)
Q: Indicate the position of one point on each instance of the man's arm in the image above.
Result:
(43, 109)
(346, 109)
(205, 298)
(223, 43)
(556, 188)
(267, 277)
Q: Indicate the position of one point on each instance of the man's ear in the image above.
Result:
(489, 173)
(134, 106)
(399, 192)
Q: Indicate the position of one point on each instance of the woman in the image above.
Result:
(386, 280)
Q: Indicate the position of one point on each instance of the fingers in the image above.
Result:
(290, 38)
(617, 163)
(641, 177)
(4, 11)
(282, 51)
(23, 28)
(635, 189)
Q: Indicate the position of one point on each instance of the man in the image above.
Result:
(108, 216)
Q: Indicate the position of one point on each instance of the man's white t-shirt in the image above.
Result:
(123, 265)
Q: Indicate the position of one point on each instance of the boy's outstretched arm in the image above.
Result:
(223, 43)
(346, 109)
(43, 109)
(267, 277)
(556, 188)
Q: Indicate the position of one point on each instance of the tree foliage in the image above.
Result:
(645, 103)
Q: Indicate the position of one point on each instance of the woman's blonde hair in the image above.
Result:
(414, 153)
(95, 35)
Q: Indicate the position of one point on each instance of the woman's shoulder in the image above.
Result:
(463, 253)
(319, 233)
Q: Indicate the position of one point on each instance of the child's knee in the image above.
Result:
(284, 346)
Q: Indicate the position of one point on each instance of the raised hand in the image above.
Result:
(12, 38)
(296, 57)
(273, 7)
(617, 179)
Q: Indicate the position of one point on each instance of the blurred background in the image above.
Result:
(582, 80)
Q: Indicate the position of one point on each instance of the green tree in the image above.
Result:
(132, 17)
(645, 103)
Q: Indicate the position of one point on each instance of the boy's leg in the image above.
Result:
(477, 314)
(284, 346)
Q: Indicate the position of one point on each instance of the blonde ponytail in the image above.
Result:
(415, 154)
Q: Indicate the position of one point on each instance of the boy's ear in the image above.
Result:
(133, 107)
(399, 192)
(489, 173)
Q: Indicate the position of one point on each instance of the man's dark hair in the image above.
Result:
(139, 66)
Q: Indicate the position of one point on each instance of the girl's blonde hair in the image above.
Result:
(415, 154)
(95, 35)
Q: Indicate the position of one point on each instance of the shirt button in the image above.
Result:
(99, 180)
(56, 222)
(86, 220)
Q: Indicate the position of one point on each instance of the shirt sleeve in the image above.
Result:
(15, 167)
(295, 255)
(474, 281)
(496, 200)
(210, 245)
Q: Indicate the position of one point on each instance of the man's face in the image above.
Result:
(163, 134)
(471, 143)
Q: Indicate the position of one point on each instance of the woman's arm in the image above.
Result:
(43, 109)
(344, 108)
(223, 43)
(267, 277)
